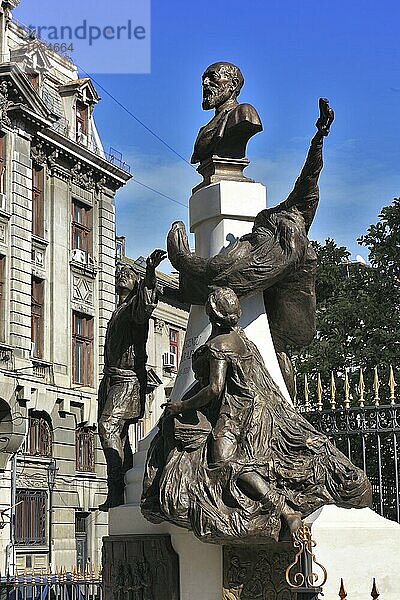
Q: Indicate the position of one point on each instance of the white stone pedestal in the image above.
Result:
(357, 545)
(219, 214)
(200, 565)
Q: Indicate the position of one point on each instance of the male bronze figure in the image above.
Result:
(122, 390)
(227, 134)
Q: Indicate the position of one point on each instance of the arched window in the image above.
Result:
(39, 441)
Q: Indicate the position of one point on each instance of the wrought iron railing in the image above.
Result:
(45, 586)
(343, 594)
(363, 428)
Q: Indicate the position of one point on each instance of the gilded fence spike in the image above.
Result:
(33, 575)
(41, 580)
(376, 387)
(319, 393)
(16, 573)
(342, 591)
(100, 574)
(361, 389)
(73, 573)
(306, 394)
(333, 391)
(392, 385)
(48, 573)
(80, 575)
(25, 580)
(374, 593)
(346, 388)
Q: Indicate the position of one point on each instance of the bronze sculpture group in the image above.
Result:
(232, 459)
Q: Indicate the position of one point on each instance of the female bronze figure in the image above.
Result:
(233, 459)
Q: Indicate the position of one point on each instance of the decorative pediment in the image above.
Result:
(19, 95)
(31, 58)
(83, 89)
(153, 380)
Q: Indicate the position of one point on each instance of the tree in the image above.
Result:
(358, 307)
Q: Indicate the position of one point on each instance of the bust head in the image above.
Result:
(221, 82)
(223, 307)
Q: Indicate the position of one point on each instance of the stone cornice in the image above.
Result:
(78, 154)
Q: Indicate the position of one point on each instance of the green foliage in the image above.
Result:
(358, 307)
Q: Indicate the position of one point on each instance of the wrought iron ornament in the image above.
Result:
(300, 573)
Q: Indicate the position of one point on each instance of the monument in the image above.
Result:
(229, 483)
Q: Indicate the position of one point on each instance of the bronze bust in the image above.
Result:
(233, 124)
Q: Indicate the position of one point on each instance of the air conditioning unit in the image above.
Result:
(168, 360)
(90, 260)
(79, 256)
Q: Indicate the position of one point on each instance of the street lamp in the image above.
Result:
(51, 480)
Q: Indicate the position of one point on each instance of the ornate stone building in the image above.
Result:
(57, 260)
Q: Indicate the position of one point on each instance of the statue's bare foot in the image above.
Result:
(293, 519)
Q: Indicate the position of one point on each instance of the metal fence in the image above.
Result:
(59, 586)
(343, 594)
(367, 431)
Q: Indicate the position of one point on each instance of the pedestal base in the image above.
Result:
(200, 565)
(357, 545)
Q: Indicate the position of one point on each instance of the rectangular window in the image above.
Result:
(37, 201)
(82, 349)
(2, 298)
(37, 317)
(81, 120)
(173, 345)
(138, 434)
(30, 518)
(2, 164)
(85, 450)
(81, 227)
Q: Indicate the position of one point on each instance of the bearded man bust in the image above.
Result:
(233, 124)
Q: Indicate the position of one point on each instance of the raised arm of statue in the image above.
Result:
(145, 299)
(305, 194)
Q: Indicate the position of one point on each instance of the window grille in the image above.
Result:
(30, 518)
(85, 450)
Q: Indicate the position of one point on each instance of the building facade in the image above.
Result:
(57, 269)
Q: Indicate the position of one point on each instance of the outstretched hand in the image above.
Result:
(155, 258)
(326, 117)
(173, 407)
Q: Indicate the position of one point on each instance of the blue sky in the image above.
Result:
(291, 53)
